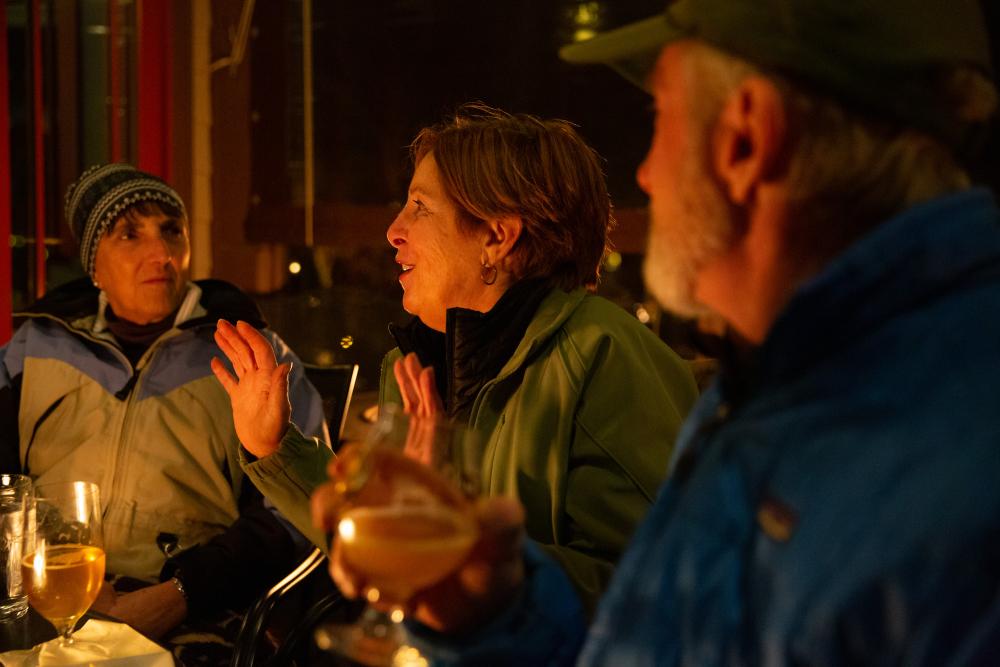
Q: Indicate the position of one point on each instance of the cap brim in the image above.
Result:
(631, 50)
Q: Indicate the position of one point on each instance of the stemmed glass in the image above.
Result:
(405, 523)
(64, 568)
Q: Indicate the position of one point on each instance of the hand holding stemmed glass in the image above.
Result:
(404, 519)
(63, 567)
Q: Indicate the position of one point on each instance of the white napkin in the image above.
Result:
(101, 643)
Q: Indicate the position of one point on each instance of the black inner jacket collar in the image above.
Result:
(133, 338)
(475, 346)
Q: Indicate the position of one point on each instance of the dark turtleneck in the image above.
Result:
(133, 338)
(475, 346)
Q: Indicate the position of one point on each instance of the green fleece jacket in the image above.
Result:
(580, 424)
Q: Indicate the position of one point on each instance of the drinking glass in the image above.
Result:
(406, 522)
(16, 519)
(64, 570)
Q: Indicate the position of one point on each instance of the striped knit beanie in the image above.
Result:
(102, 194)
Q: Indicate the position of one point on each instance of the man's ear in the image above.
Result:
(749, 138)
(501, 235)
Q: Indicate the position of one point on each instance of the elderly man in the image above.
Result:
(836, 499)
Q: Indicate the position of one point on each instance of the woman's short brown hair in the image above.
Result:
(494, 164)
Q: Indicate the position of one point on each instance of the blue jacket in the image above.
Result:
(838, 504)
(156, 436)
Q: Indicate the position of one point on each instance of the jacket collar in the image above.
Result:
(189, 308)
(475, 346)
(905, 262)
(557, 307)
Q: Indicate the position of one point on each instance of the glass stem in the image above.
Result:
(66, 633)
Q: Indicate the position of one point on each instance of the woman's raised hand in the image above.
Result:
(417, 387)
(259, 392)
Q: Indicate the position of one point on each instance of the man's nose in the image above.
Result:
(642, 175)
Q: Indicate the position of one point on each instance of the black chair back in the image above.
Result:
(335, 385)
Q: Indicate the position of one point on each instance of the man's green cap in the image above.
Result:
(882, 56)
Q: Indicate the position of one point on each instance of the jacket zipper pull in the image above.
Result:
(123, 393)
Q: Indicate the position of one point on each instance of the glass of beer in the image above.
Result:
(405, 524)
(63, 570)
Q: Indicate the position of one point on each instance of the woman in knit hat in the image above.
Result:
(108, 381)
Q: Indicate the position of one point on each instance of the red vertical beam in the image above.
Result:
(6, 278)
(155, 87)
(38, 128)
(115, 82)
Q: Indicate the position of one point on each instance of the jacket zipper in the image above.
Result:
(128, 394)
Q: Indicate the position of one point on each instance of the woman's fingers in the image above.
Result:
(411, 363)
(229, 383)
(407, 388)
(235, 347)
(246, 348)
(325, 506)
(430, 401)
(350, 583)
(223, 342)
(415, 445)
(417, 387)
(260, 348)
(486, 582)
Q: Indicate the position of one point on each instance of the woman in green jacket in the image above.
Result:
(499, 246)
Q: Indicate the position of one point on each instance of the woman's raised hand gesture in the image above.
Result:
(259, 392)
(417, 387)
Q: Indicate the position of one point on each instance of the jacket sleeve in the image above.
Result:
(218, 573)
(543, 626)
(11, 365)
(289, 476)
(233, 568)
(306, 451)
(636, 396)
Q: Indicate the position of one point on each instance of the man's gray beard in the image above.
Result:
(673, 261)
(669, 278)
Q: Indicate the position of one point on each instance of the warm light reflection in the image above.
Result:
(407, 656)
(295, 268)
(347, 529)
(81, 491)
(38, 567)
(586, 21)
(588, 14)
(613, 261)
